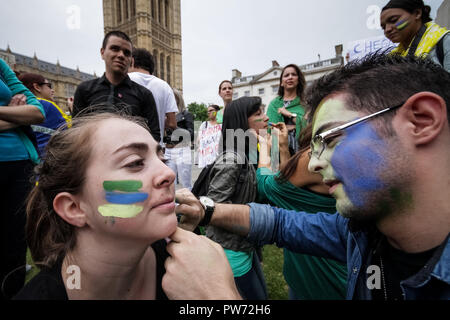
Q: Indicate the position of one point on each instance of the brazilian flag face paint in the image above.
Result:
(401, 24)
(122, 197)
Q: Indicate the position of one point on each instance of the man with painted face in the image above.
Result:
(380, 140)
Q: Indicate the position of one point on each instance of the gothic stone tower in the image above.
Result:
(154, 25)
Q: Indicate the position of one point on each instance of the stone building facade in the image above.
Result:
(154, 25)
(265, 85)
(64, 80)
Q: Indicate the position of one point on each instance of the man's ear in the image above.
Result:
(102, 51)
(427, 113)
(67, 206)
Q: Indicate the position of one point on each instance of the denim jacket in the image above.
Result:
(329, 236)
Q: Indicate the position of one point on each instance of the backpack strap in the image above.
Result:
(241, 178)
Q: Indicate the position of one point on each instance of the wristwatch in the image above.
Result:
(208, 205)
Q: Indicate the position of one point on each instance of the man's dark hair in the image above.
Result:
(116, 33)
(143, 59)
(301, 82)
(379, 81)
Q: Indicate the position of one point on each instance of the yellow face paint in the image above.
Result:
(120, 210)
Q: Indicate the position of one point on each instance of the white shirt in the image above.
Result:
(162, 92)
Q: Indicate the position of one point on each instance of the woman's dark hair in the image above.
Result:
(410, 6)
(225, 81)
(236, 117)
(289, 168)
(28, 79)
(216, 107)
(63, 169)
(301, 82)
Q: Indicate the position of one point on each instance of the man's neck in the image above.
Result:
(425, 223)
(115, 78)
(134, 69)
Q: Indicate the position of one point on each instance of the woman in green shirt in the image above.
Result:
(226, 93)
(287, 106)
(295, 188)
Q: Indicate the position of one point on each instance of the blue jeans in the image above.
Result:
(252, 285)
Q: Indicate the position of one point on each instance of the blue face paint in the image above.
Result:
(358, 163)
(125, 198)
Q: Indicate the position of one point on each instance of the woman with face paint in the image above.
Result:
(287, 106)
(208, 138)
(243, 120)
(408, 23)
(295, 188)
(95, 219)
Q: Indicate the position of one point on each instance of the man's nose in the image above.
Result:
(316, 165)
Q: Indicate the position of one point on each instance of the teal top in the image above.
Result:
(240, 262)
(14, 143)
(310, 277)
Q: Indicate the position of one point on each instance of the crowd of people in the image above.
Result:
(358, 200)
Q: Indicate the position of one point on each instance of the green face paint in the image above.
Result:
(120, 210)
(125, 185)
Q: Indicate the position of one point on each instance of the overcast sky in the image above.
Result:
(218, 36)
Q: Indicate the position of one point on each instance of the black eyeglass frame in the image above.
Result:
(319, 139)
(48, 84)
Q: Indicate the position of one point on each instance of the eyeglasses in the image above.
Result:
(321, 139)
(48, 84)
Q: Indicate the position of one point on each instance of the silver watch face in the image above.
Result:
(206, 202)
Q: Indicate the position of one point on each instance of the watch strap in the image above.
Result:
(207, 218)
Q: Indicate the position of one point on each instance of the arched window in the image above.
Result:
(133, 7)
(160, 11)
(152, 4)
(125, 10)
(168, 69)
(167, 13)
(155, 58)
(161, 67)
(119, 11)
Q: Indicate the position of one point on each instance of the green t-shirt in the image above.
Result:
(310, 277)
(219, 116)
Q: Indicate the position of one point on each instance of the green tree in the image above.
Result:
(198, 110)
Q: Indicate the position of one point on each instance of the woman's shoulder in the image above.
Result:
(46, 285)
(276, 102)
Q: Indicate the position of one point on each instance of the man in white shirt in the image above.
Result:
(141, 70)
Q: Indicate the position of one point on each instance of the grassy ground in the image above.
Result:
(273, 272)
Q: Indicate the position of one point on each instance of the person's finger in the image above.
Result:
(179, 235)
(185, 196)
